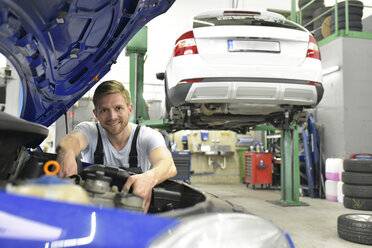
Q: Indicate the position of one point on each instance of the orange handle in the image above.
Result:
(47, 168)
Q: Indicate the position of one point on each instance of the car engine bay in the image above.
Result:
(28, 172)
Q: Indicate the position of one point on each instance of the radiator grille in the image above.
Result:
(248, 168)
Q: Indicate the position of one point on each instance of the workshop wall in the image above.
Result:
(206, 166)
(345, 111)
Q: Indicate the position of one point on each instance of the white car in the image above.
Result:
(237, 68)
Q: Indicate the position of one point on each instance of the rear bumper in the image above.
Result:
(247, 90)
(193, 66)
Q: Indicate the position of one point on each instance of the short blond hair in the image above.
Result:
(111, 87)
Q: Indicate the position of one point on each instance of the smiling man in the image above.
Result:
(109, 142)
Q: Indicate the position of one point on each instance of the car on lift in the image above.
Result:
(238, 68)
(60, 49)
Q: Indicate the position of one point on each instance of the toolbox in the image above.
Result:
(258, 168)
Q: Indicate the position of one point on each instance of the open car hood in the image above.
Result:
(61, 48)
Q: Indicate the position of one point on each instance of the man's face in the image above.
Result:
(113, 113)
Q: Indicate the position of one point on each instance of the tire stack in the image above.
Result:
(357, 187)
(318, 35)
(355, 16)
(307, 13)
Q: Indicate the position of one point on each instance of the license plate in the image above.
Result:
(253, 46)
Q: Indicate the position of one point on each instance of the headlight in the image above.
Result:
(225, 230)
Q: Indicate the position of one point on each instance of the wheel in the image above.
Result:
(357, 178)
(319, 12)
(302, 3)
(355, 228)
(357, 203)
(318, 34)
(167, 101)
(305, 21)
(355, 8)
(356, 26)
(362, 191)
(308, 11)
(352, 18)
(358, 165)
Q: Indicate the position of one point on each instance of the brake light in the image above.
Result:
(313, 49)
(185, 45)
(193, 80)
(314, 83)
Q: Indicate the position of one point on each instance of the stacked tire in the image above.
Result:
(307, 13)
(357, 189)
(318, 24)
(355, 16)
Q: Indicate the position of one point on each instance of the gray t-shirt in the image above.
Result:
(148, 139)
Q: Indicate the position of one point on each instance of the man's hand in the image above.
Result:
(142, 185)
(163, 168)
(67, 162)
(68, 148)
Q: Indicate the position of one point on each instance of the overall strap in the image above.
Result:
(133, 160)
(99, 154)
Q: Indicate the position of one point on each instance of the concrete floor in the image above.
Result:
(308, 226)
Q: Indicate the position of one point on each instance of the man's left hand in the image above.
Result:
(142, 185)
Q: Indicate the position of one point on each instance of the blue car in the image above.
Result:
(60, 49)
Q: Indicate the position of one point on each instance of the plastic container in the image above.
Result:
(58, 192)
(334, 167)
(340, 195)
(51, 188)
(331, 189)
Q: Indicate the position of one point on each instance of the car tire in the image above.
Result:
(358, 203)
(358, 165)
(355, 228)
(302, 3)
(309, 11)
(318, 34)
(362, 191)
(167, 101)
(352, 18)
(318, 23)
(355, 26)
(357, 178)
(355, 8)
(305, 21)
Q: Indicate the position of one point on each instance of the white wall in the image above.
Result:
(164, 30)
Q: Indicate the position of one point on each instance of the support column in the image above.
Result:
(136, 50)
(290, 167)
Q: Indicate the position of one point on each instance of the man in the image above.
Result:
(112, 109)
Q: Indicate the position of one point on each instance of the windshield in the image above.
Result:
(242, 20)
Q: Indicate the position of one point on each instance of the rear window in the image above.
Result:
(242, 20)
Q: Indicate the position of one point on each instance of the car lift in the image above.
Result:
(289, 166)
(136, 50)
